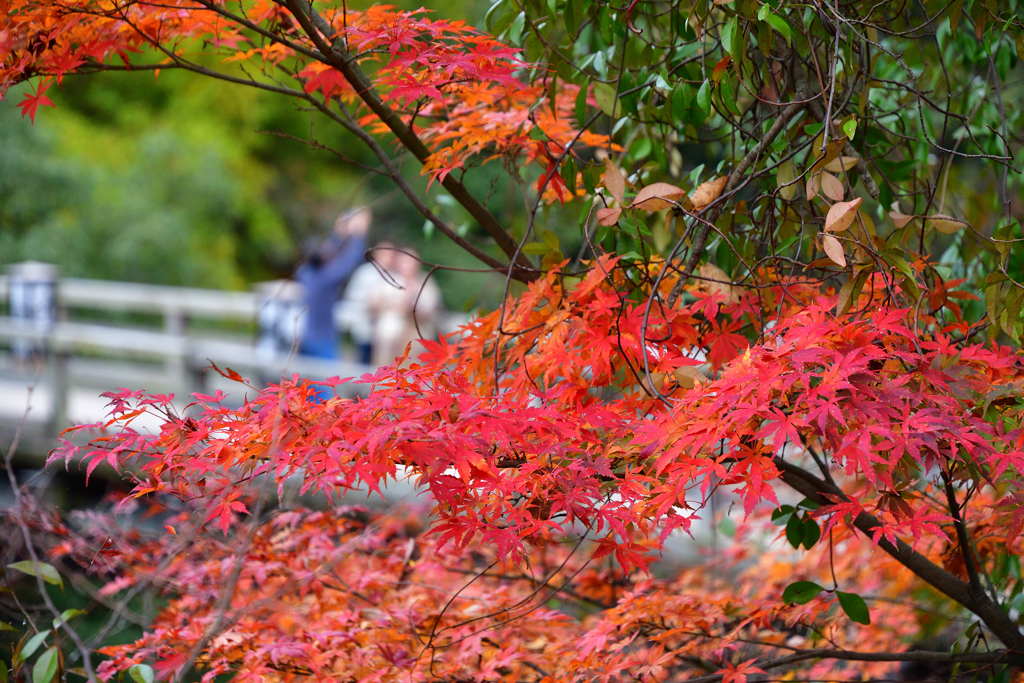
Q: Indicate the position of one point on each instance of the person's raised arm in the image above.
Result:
(352, 233)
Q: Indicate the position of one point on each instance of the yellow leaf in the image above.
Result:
(832, 152)
(867, 222)
(841, 164)
(947, 225)
(657, 381)
(785, 178)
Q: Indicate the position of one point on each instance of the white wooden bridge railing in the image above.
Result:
(167, 357)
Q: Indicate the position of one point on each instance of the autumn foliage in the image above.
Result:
(779, 351)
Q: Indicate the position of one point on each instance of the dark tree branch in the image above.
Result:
(697, 250)
(946, 583)
(317, 28)
(961, 534)
(997, 657)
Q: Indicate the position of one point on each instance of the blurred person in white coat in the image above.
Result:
(354, 311)
(393, 309)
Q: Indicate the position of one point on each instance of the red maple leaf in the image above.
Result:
(32, 102)
(738, 674)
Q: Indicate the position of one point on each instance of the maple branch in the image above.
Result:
(961, 535)
(943, 581)
(318, 30)
(313, 144)
(256, 28)
(848, 149)
(995, 657)
(396, 175)
(697, 251)
(7, 457)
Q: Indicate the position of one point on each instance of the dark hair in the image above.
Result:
(314, 252)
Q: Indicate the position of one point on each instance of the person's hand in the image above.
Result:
(356, 225)
(359, 225)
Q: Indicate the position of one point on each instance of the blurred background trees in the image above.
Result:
(179, 180)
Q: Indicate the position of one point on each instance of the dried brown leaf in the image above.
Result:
(608, 217)
(658, 197)
(613, 180)
(833, 249)
(688, 376)
(832, 187)
(708, 192)
(813, 185)
(841, 215)
(716, 280)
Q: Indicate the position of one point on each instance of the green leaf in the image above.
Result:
(68, 615)
(801, 592)
(569, 173)
(502, 23)
(993, 297)
(536, 248)
(902, 265)
(549, 238)
(571, 16)
(780, 516)
(728, 34)
(3, 671)
(955, 10)
(581, 104)
(704, 97)
(850, 128)
(855, 607)
(45, 571)
(7, 627)
(605, 96)
(728, 527)
(141, 673)
(30, 647)
(812, 532)
(515, 31)
(728, 97)
(46, 667)
(995, 278)
(680, 102)
(795, 531)
(781, 27)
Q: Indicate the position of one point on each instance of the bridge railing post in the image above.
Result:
(33, 302)
(177, 367)
(279, 318)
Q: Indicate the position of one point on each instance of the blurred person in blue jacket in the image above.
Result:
(324, 273)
